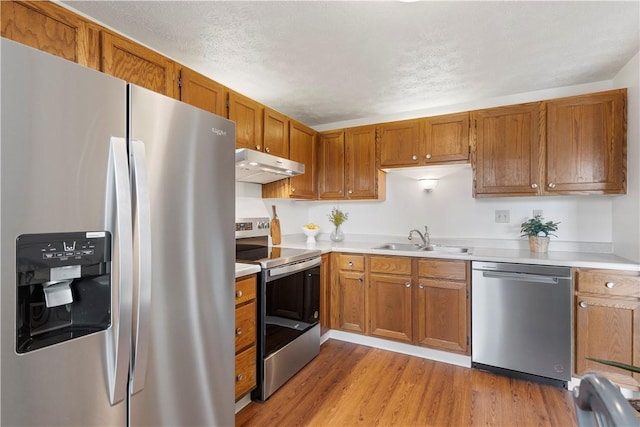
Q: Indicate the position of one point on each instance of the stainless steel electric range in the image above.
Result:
(288, 304)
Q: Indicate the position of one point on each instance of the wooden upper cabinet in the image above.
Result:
(363, 179)
(248, 115)
(507, 150)
(302, 148)
(53, 29)
(399, 143)
(331, 165)
(202, 92)
(446, 139)
(586, 144)
(137, 64)
(276, 133)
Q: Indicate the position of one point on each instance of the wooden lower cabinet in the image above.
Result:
(245, 331)
(348, 293)
(389, 287)
(419, 301)
(607, 323)
(325, 294)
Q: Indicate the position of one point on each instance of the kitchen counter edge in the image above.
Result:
(556, 258)
(246, 269)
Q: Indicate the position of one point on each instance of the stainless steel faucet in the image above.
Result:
(426, 240)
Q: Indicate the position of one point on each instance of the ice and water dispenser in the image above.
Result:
(63, 287)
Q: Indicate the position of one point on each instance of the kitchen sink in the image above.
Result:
(447, 249)
(400, 247)
(415, 247)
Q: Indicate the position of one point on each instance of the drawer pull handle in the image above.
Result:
(239, 377)
(407, 285)
(238, 294)
(239, 331)
(583, 304)
(610, 285)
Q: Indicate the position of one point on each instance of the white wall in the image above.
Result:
(626, 210)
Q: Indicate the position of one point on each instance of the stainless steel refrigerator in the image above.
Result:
(117, 251)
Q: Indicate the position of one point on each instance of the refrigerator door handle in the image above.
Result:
(142, 279)
(119, 220)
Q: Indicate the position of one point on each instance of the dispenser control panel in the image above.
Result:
(63, 287)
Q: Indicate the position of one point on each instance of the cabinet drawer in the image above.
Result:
(442, 269)
(351, 262)
(245, 289)
(245, 325)
(608, 282)
(245, 372)
(390, 264)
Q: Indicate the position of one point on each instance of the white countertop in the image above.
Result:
(246, 269)
(558, 258)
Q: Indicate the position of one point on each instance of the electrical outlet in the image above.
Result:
(502, 216)
(537, 212)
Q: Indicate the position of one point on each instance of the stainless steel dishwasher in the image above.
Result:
(521, 320)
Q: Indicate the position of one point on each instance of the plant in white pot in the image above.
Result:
(538, 232)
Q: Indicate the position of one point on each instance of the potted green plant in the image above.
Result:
(538, 232)
(337, 217)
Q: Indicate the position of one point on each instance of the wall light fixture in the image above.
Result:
(428, 184)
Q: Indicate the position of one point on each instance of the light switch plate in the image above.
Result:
(502, 216)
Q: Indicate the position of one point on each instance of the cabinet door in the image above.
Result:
(351, 302)
(248, 115)
(608, 328)
(276, 133)
(361, 174)
(331, 166)
(48, 27)
(302, 148)
(399, 143)
(586, 144)
(446, 139)
(136, 64)
(507, 150)
(390, 306)
(442, 315)
(202, 92)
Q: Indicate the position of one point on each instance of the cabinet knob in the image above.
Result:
(350, 191)
(339, 191)
(360, 279)
(407, 285)
(534, 185)
(350, 263)
(293, 189)
(428, 156)
(239, 331)
(239, 377)
(583, 304)
(414, 157)
(239, 294)
(266, 149)
(551, 185)
(610, 285)
(258, 147)
(421, 286)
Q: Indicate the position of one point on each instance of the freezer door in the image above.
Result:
(190, 160)
(57, 122)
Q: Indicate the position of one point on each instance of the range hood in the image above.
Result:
(261, 168)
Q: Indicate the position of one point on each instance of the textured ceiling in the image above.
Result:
(324, 62)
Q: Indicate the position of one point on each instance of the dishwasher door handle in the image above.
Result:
(521, 277)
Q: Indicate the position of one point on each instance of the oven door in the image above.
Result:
(291, 303)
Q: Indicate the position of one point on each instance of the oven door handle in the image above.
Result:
(293, 268)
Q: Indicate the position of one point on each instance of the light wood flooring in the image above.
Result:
(351, 385)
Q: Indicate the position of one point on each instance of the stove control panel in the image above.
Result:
(252, 227)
